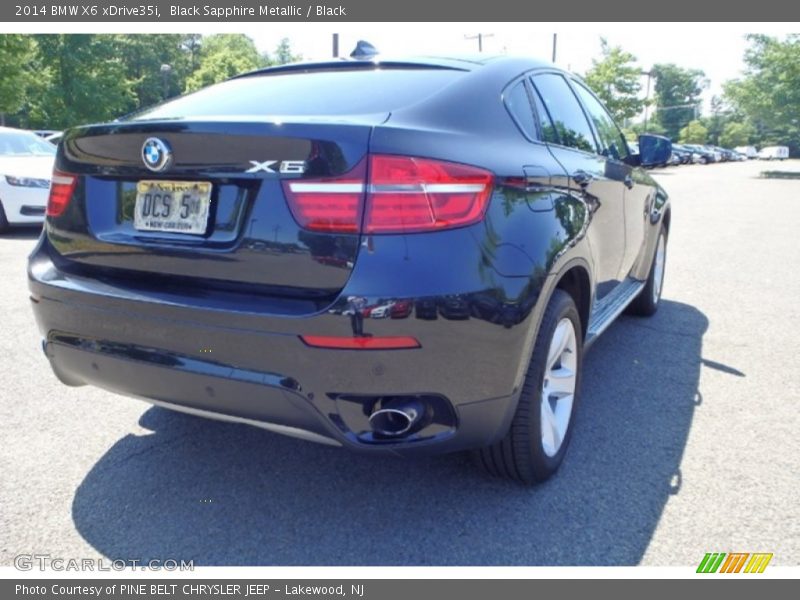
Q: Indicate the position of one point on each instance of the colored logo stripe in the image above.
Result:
(758, 563)
(734, 562)
(711, 562)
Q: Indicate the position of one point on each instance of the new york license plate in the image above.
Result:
(172, 206)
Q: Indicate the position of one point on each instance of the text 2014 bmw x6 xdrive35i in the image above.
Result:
(398, 256)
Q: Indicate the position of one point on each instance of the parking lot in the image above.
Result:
(686, 442)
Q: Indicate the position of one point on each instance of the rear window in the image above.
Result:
(318, 93)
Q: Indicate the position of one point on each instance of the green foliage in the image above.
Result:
(653, 127)
(222, 56)
(283, 54)
(83, 79)
(769, 92)
(155, 65)
(17, 53)
(693, 133)
(674, 88)
(59, 81)
(736, 134)
(616, 80)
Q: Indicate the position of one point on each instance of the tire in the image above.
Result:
(3, 220)
(646, 303)
(527, 454)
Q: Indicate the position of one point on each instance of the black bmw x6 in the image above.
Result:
(402, 256)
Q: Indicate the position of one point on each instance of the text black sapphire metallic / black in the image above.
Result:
(403, 256)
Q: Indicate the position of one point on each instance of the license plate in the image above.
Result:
(172, 206)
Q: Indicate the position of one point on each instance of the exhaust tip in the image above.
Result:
(396, 418)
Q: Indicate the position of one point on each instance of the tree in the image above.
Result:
(716, 122)
(769, 93)
(653, 127)
(736, 134)
(156, 65)
(80, 79)
(283, 53)
(677, 92)
(694, 133)
(16, 56)
(221, 57)
(616, 81)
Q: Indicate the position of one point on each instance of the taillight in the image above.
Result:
(403, 194)
(330, 204)
(62, 186)
(409, 194)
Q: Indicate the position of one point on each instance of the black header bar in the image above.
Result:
(182, 11)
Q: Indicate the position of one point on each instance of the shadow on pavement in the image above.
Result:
(225, 494)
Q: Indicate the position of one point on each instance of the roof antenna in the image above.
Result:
(364, 51)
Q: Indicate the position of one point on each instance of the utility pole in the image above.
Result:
(479, 37)
(555, 41)
(165, 72)
(335, 45)
(647, 96)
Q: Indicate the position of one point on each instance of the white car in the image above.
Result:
(26, 165)
(774, 153)
(381, 312)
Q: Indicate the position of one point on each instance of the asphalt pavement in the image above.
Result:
(686, 441)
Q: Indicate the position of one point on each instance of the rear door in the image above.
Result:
(615, 150)
(598, 181)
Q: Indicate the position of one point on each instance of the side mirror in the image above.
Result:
(654, 150)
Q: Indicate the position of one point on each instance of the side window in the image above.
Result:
(567, 121)
(519, 105)
(612, 142)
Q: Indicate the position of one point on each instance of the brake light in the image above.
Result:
(62, 186)
(332, 205)
(409, 194)
(403, 194)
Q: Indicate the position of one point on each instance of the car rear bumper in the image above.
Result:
(256, 369)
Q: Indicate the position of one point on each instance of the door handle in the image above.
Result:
(628, 181)
(582, 178)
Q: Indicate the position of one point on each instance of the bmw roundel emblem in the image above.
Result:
(156, 154)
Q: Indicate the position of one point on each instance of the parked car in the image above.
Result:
(683, 154)
(401, 309)
(774, 153)
(538, 203)
(54, 138)
(26, 165)
(381, 312)
(702, 155)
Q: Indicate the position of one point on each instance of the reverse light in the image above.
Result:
(62, 187)
(361, 343)
(395, 194)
